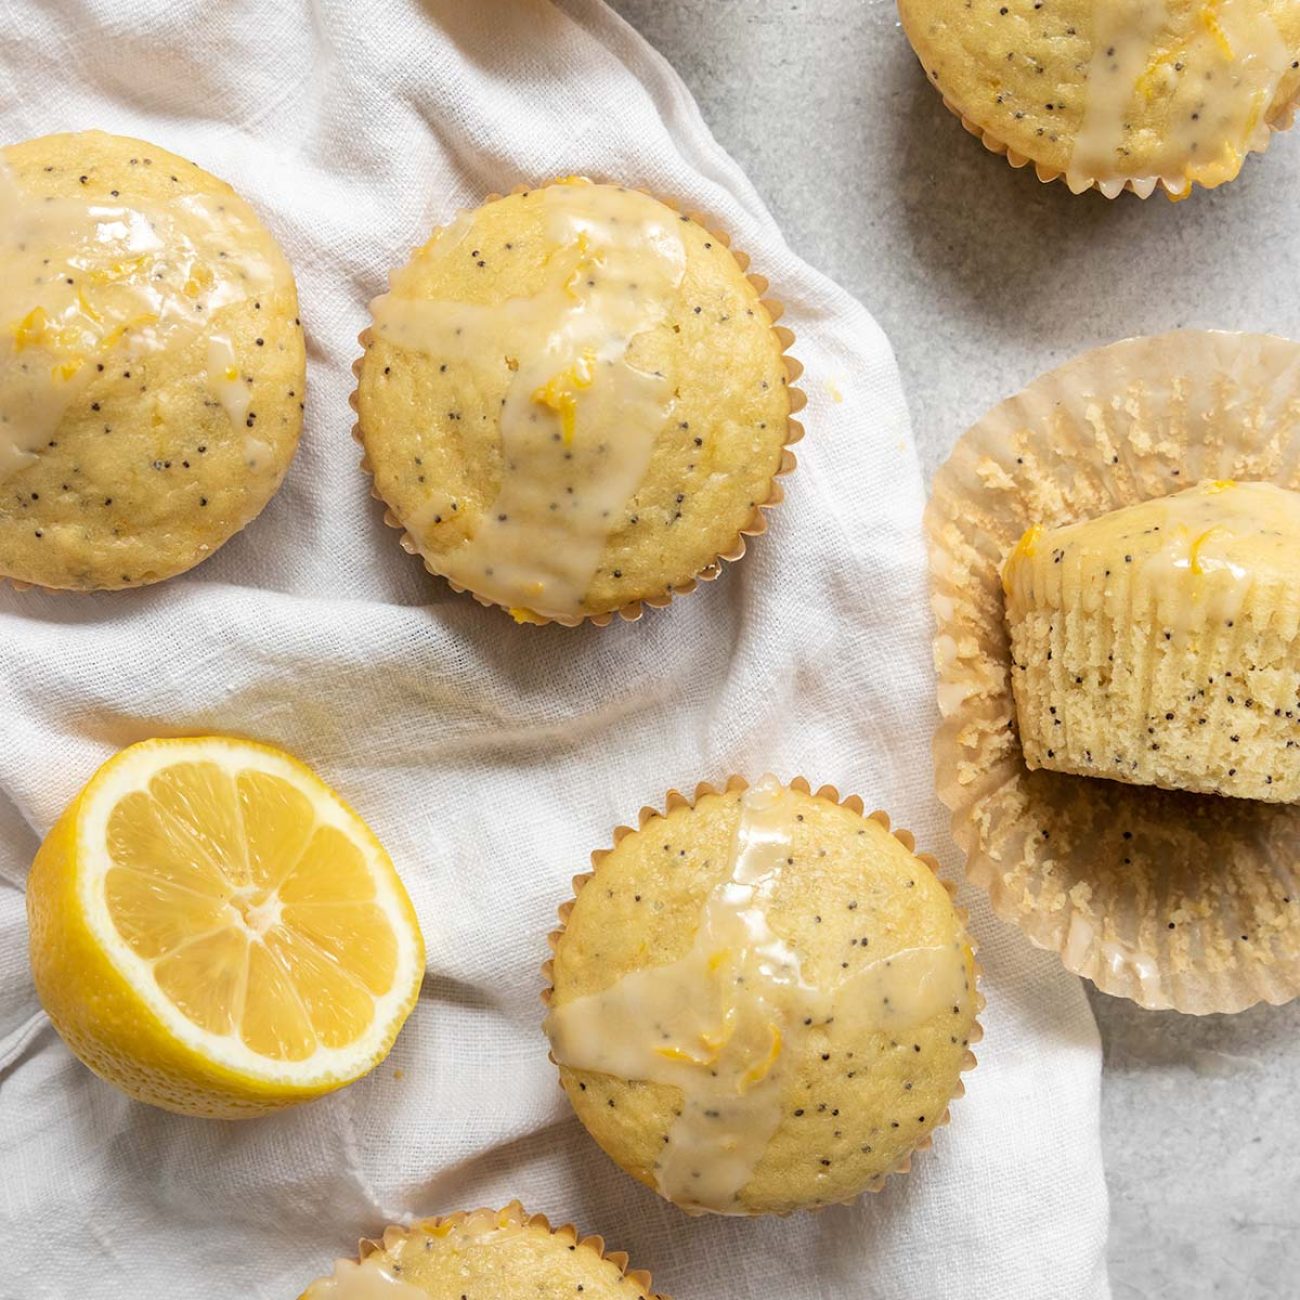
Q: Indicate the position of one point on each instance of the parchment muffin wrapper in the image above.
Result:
(755, 526)
(1172, 899)
(1174, 187)
(675, 800)
(514, 1216)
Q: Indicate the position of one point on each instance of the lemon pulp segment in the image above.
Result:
(252, 930)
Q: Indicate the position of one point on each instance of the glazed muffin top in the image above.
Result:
(572, 399)
(484, 1255)
(1221, 550)
(1116, 91)
(151, 362)
(761, 1002)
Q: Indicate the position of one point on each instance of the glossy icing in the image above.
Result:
(370, 1280)
(87, 283)
(1189, 557)
(580, 417)
(438, 1246)
(725, 1024)
(225, 381)
(1224, 60)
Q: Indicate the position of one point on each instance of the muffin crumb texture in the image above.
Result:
(1116, 95)
(151, 363)
(1160, 644)
(763, 1001)
(484, 1255)
(573, 400)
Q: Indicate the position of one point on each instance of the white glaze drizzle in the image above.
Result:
(369, 1280)
(725, 1022)
(1237, 57)
(1194, 555)
(227, 384)
(580, 420)
(87, 282)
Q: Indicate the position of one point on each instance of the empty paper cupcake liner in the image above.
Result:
(674, 800)
(1172, 899)
(513, 1216)
(755, 526)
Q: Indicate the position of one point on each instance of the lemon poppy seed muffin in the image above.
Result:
(1116, 93)
(573, 400)
(763, 1001)
(484, 1255)
(151, 363)
(1160, 644)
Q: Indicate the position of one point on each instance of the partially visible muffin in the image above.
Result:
(1116, 95)
(484, 1255)
(151, 363)
(573, 400)
(1160, 644)
(762, 1001)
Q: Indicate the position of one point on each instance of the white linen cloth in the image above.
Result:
(489, 758)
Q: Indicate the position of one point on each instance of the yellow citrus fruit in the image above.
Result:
(214, 931)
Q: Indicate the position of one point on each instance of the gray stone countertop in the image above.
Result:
(983, 278)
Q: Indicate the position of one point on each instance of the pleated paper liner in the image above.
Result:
(755, 526)
(1176, 187)
(674, 800)
(1171, 899)
(484, 1221)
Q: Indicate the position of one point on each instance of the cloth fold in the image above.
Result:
(490, 759)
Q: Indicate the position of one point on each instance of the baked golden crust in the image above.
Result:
(853, 1095)
(152, 364)
(560, 470)
(487, 1253)
(1116, 94)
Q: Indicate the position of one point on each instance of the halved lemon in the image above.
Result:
(214, 931)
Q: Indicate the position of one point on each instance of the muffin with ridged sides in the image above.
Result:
(1160, 643)
(1097, 616)
(151, 363)
(1115, 96)
(484, 1255)
(761, 1000)
(574, 402)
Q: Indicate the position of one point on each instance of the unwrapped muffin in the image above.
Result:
(1160, 644)
(1174, 898)
(484, 1255)
(1115, 94)
(573, 401)
(151, 363)
(762, 1001)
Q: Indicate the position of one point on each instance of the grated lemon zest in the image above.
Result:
(1147, 83)
(1025, 549)
(681, 1055)
(32, 330)
(115, 335)
(1210, 21)
(1194, 553)
(522, 615)
(582, 268)
(761, 1069)
(560, 392)
(717, 1042)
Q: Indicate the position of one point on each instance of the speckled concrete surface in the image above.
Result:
(983, 278)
